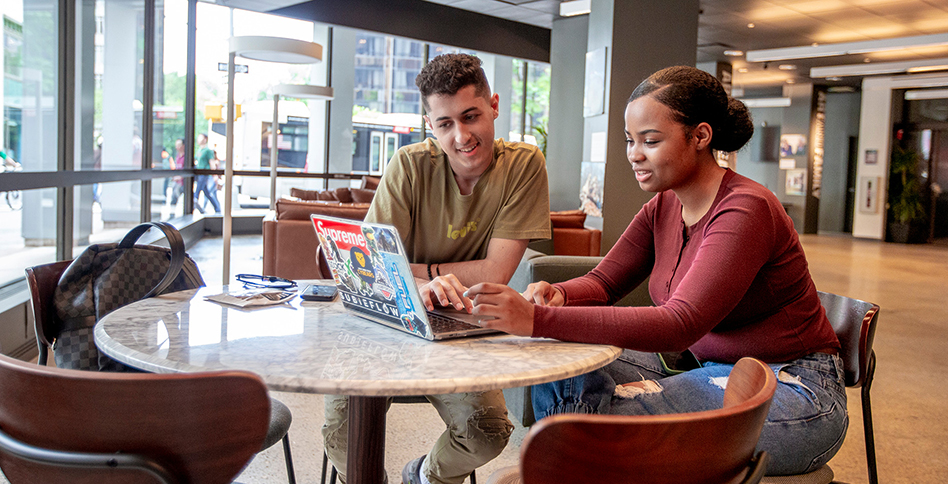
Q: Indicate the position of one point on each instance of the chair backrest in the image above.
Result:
(42, 280)
(203, 427)
(855, 324)
(714, 446)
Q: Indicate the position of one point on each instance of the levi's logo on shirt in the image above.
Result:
(461, 232)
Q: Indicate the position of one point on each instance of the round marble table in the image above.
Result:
(316, 347)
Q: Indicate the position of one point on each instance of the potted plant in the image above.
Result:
(906, 197)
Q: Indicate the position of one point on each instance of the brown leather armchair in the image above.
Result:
(289, 241)
(571, 236)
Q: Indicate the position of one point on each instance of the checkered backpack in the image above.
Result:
(106, 277)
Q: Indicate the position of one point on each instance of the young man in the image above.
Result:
(465, 205)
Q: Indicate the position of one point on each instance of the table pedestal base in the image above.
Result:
(366, 451)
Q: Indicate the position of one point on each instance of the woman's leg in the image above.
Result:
(808, 419)
(806, 423)
(592, 392)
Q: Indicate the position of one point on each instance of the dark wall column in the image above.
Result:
(640, 37)
(564, 149)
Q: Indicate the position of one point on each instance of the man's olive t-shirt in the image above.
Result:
(419, 195)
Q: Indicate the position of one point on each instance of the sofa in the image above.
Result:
(290, 247)
(289, 241)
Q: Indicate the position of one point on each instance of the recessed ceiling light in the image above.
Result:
(791, 81)
(576, 7)
(734, 53)
(751, 25)
(866, 60)
(742, 69)
(847, 48)
(787, 67)
(915, 70)
(834, 78)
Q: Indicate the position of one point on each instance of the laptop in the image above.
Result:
(371, 271)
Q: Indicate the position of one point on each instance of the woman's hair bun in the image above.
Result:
(736, 128)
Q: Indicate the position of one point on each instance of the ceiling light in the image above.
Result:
(766, 102)
(844, 48)
(734, 53)
(575, 7)
(751, 25)
(875, 68)
(917, 94)
(742, 69)
(916, 70)
(866, 60)
(791, 81)
(834, 78)
(787, 67)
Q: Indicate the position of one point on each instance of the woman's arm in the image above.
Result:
(737, 242)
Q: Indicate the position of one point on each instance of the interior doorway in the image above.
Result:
(938, 171)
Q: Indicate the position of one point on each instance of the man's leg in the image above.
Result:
(477, 431)
(336, 431)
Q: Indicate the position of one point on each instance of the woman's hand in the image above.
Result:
(513, 313)
(448, 291)
(544, 294)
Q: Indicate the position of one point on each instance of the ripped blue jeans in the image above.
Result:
(804, 429)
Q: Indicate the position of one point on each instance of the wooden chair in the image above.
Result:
(42, 280)
(710, 447)
(60, 425)
(855, 324)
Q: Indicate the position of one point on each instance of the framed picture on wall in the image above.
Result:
(590, 193)
(594, 97)
(872, 157)
(869, 194)
(796, 181)
(792, 145)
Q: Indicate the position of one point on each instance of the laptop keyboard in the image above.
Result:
(443, 324)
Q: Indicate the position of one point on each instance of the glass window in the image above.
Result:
(28, 238)
(386, 112)
(538, 102)
(171, 68)
(30, 84)
(167, 198)
(104, 212)
(528, 122)
(110, 59)
(253, 95)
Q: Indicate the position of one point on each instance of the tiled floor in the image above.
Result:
(909, 282)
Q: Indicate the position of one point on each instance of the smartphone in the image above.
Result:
(319, 293)
(675, 363)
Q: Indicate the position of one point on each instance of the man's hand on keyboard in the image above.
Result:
(446, 290)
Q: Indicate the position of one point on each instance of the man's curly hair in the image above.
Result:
(448, 73)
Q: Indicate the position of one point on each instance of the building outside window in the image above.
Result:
(30, 98)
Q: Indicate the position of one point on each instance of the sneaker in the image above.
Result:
(411, 474)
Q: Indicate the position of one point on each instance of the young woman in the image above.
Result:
(727, 274)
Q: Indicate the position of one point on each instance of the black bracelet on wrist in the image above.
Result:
(438, 270)
(429, 272)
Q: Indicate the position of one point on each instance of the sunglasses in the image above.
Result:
(256, 280)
